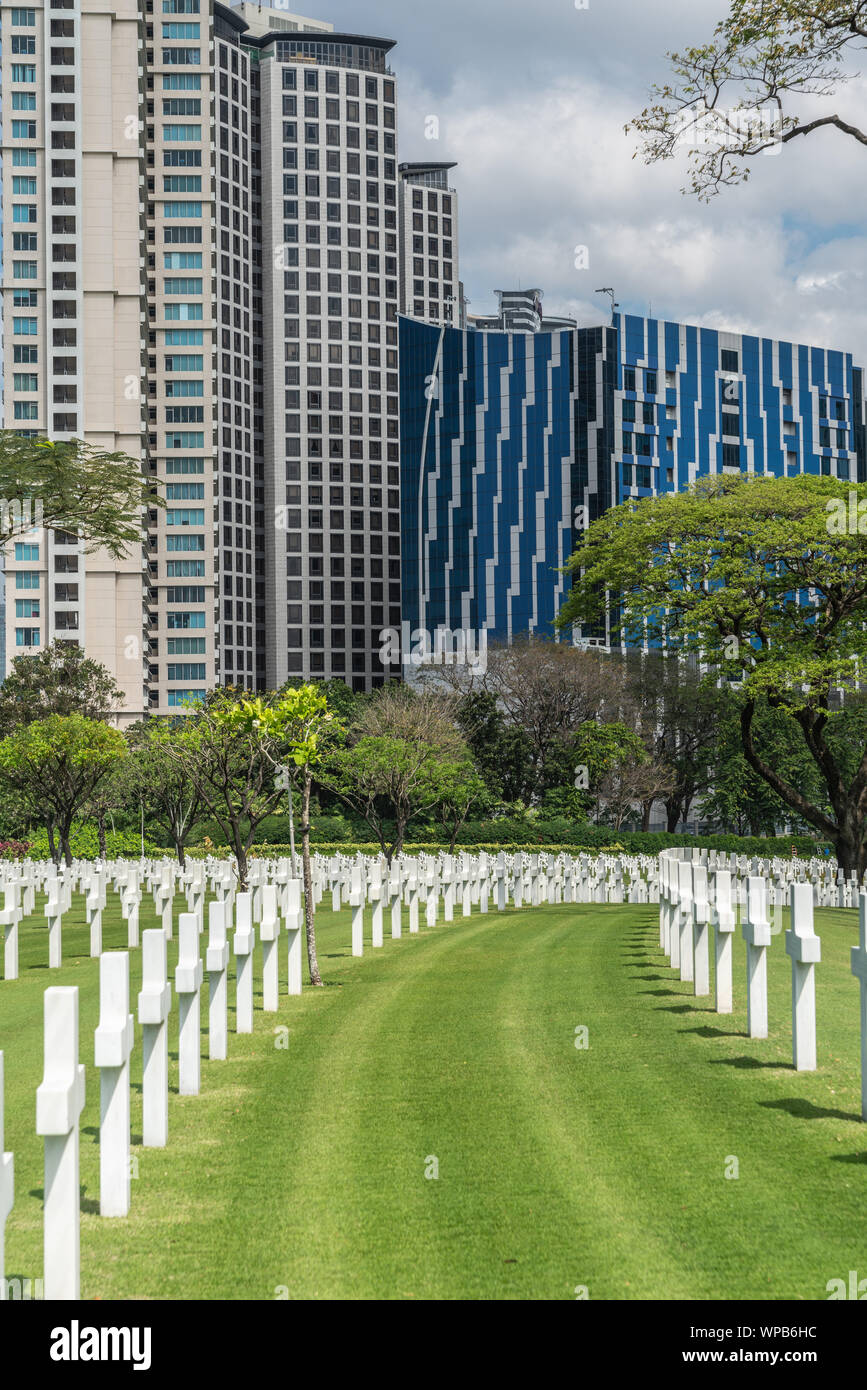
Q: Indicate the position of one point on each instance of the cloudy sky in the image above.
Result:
(532, 100)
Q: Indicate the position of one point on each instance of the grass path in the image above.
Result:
(300, 1170)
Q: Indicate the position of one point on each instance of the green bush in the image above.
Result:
(84, 842)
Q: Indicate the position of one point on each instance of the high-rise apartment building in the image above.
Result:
(430, 289)
(72, 299)
(204, 221)
(330, 288)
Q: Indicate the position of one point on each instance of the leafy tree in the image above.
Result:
(58, 763)
(741, 801)
(678, 714)
(296, 727)
(737, 95)
(459, 790)
(60, 679)
(404, 754)
(501, 750)
(218, 752)
(159, 784)
(110, 795)
(70, 485)
(765, 579)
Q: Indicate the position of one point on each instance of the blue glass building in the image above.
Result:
(506, 438)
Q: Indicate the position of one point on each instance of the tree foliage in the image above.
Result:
(739, 95)
(70, 485)
(758, 578)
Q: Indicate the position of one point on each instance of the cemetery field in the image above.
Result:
(427, 1127)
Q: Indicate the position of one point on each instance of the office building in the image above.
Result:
(511, 442)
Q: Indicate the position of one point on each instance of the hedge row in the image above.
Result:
(627, 843)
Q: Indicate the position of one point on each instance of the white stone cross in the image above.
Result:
(859, 970)
(756, 931)
(129, 907)
(217, 965)
(113, 1042)
(59, 1103)
(54, 912)
(356, 902)
(396, 905)
(294, 923)
(431, 896)
(374, 894)
(154, 1004)
(94, 915)
(412, 885)
(243, 942)
(7, 1189)
(805, 949)
(188, 984)
(269, 932)
(9, 919)
(700, 930)
(724, 925)
(684, 883)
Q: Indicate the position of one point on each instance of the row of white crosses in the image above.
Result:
(61, 1096)
(692, 902)
(447, 884)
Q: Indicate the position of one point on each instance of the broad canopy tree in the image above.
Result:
(59, 679)
(759, 578)
(70, 485)
(58, 764)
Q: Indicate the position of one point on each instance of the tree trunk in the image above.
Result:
(672, 814)
(63, 831)
(850, 845)
(645, 815)
(309, 906)
(180, 851)
(240, 855)
(52, 845)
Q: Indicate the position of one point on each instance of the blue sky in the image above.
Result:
(531, 102)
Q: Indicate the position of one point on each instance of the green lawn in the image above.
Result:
(302, 1169)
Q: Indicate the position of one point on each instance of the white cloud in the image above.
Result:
(532, 102)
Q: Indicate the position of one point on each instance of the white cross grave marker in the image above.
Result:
(756, 932)
(293, 933)
(217, 965)
(700, 930)
(188, 984)
(113, 1041)
(154, 1004)
(805, 948)
(269, 931)
(723, 925)
(243, 943)
(59, 1103)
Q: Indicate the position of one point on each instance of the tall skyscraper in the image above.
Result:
(203, 221)
(429, 244)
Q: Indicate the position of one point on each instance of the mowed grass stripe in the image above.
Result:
(303, 1169)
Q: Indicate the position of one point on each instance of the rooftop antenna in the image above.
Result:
(607, 289)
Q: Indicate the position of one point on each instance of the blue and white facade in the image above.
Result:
(508, 439)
